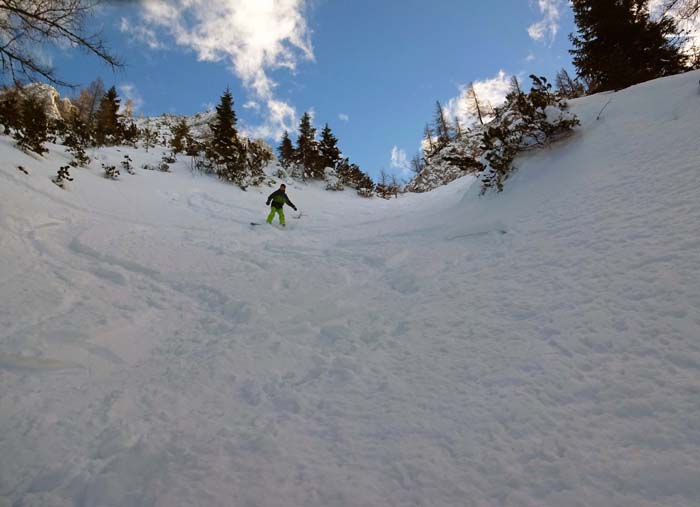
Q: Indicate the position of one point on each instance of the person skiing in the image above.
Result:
(278, 198)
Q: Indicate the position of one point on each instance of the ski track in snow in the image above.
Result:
(536, 348)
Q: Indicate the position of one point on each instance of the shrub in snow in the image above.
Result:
(459, 157)
(77, 137)
(21, 168)
(111, 172)
(62, 176)
(352, 176)
(127, 166)
(525, 121)
(387, 186)
(168, 158)
(258, 155)
(333, 181)
(281, 173)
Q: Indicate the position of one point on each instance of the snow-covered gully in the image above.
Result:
(536, 348)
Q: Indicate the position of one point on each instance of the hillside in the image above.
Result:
(534, 348)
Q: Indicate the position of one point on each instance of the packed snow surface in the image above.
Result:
(536, 348)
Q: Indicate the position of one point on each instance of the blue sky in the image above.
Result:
(371, 69)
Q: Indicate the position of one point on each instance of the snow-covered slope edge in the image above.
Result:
(539, 347)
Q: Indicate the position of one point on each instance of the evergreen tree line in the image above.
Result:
(321, 159)
(92, 119)
(96, 118)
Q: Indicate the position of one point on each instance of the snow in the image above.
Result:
(534, 348)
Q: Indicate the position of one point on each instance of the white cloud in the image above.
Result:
(251, 36)
(489, 91)
(549, 24)
(142, 33)
(281, 116)
(344, 117)
(399, 160)
(129, 92)
(530, 57)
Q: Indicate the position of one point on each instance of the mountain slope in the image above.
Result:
(537, 347)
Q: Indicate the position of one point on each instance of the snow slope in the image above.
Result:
(536, 348)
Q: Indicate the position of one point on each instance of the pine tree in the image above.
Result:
(329, 153)
(149, 136)
(107, 128)
(128, 109)
(225, 149)
(442, 127)
(428, 143)
(77, 139)
(181, 136)
(618, 45)
(34, 129)
(567, 87)
(223, 129)
(286, 151)
(417, 163)
(458, 128)
(476, 106)
(10, 110)
(130, 133)
(307, 147)
(88, 101)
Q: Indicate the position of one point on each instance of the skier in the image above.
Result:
(278, 199)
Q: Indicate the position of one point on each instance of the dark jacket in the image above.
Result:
(278, 199)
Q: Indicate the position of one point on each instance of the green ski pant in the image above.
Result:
(272, 215)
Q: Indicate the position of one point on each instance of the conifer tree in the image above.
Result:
(225, 150)
(567, 87)
(458, 127)
(107, 128)
(88, 101)
(76, 140)
(476, 106)
(428, 143)
(618, 45)
(130, 132)
(417, 163)
(10, 110)
(181, 136)
(442, 127)
(286, 151)
(34, 129)
(223, 128)
(149, 136)
(329, 153)
(307, 147)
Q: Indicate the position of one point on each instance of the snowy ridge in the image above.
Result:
(534, 348)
